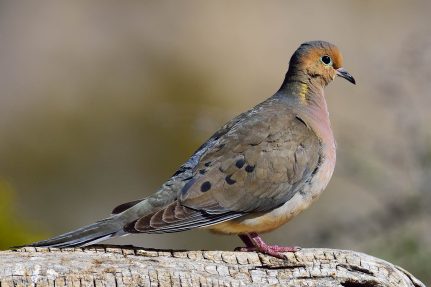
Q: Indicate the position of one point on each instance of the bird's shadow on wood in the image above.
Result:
(132, 248)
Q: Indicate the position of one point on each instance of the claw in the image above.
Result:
(285, 248)
(245, 249)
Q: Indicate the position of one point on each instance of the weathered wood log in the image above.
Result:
(132, 266)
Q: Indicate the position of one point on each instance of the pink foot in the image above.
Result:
(253, 242)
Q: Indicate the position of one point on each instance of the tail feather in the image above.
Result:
(112, 226)
(106, 228)
(86, 235)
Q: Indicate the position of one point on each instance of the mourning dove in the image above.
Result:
(256, 173)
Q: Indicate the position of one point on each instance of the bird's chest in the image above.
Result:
(322, 176)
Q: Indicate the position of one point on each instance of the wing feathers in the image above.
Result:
(175, 218)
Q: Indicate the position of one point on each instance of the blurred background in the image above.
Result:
(100, 102)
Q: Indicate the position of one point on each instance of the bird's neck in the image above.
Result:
(295, 75)
(308, 99)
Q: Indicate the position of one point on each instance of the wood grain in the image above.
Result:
(131, 266)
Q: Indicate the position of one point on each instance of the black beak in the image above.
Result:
(344, 74)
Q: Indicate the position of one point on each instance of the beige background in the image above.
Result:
(100, 103)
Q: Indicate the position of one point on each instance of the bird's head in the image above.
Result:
(320, 62)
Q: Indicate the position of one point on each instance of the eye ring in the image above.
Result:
(326, 60)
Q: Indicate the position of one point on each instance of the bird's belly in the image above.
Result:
(267, 221)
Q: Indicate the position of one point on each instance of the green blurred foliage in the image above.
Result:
(14, 230)
(407, 251)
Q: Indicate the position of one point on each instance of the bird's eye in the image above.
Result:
(326, 60)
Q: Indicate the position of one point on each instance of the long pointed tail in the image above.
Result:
(86, 235)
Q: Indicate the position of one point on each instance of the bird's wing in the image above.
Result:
(168, 192)
(257, 166)
(255, 163)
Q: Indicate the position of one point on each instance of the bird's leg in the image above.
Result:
(253, 242)
(247, 240)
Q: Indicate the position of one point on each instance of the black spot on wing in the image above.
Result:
(240, 163)
(229, 180)
(206, 186)
(249, 168)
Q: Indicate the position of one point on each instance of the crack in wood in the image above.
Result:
(269, 267)
(355, 268)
